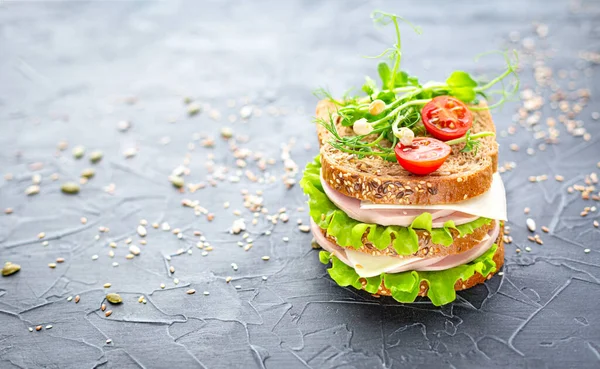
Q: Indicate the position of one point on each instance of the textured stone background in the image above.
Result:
(72, 70)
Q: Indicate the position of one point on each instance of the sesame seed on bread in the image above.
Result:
(371, 178)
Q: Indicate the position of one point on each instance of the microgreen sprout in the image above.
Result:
(471, 141)
(398, 101)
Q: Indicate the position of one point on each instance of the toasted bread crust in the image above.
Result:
(462, 176)
(427, 249)
(460, 284)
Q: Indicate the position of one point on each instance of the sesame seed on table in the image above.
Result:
(150, 155)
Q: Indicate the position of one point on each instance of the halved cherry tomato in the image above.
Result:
(424, 156)
(446, 118)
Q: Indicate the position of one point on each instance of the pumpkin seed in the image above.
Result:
(70, 188)
(10, 268)
(194, 108)
(96, 156)
(114, 298)
(88, 173)
(177, 181)
(78, 152)
(32, 190)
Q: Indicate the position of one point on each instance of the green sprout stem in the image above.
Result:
(466, 138)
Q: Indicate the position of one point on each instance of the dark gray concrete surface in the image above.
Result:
(72, 70)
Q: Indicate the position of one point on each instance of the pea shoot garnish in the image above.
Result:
(443, 109)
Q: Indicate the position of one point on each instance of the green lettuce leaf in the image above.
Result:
(348, 232)
(405, 286)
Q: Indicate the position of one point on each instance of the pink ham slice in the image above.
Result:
(413, 262)
(404, 218)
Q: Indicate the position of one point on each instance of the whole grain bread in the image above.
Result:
(371, 178)
(460, 284)
(427, 248)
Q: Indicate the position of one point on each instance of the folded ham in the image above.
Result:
(386, 217)
(367, 265)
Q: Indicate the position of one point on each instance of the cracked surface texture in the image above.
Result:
(72, 70)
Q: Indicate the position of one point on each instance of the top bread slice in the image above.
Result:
(464, 174)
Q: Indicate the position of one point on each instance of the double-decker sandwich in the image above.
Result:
(404, 196)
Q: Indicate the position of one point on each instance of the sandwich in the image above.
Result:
(404, 196)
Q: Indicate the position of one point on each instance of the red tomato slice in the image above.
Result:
(446, 118)
(424, 156)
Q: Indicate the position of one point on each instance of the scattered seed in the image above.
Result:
(70, 298)
(226, 132)
(108, 341)
(52, 265)
(103, 307)
(304, 228)
(206, 293)
(8, 211)
(123, 125)
(141, 230)
(530, 224)
(176, 280)
(162, 286)
(107, 285)
(191, 291)
(134, 250)
(194, 108)
(30, 329)
(545, 229)
(10, 269)
(77, 298)
(36, 179)
(228, 279)
(265, 258)
(32, 190)
(587, 251)
(172, 269)
(596, 224)
(38, 328)
(70, 188)
(108, 313)
(78, 152)
(113, 298)
(177, 181)
(96, 156)
(526, 210)
(94, 257)
(88, 173)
